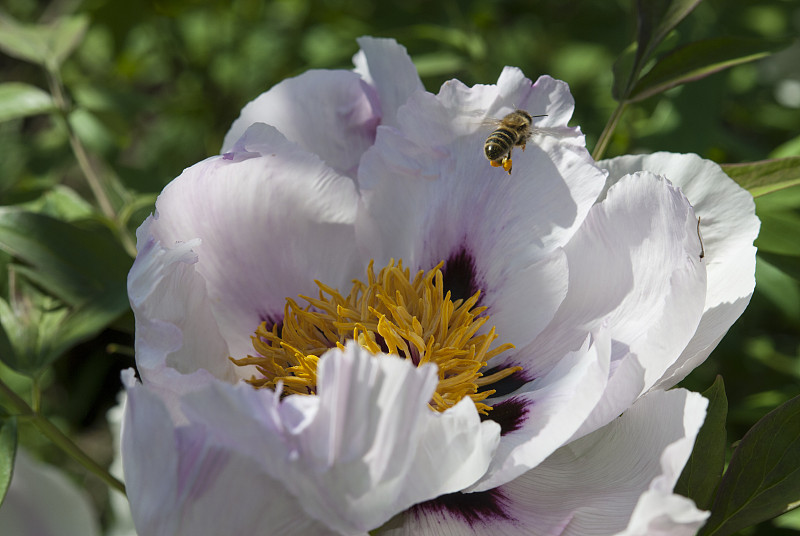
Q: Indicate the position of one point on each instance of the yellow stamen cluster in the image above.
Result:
(392, 314)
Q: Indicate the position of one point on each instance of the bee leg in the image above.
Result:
(507, 164)
(522, 145)
(495, 163)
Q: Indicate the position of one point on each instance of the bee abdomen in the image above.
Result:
(499, 142)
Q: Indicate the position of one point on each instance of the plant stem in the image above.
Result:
(49, 430)
(605, 136)
(84, 162)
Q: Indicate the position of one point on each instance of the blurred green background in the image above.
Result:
(155, 86)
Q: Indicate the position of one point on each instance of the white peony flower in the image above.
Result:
(536, 318)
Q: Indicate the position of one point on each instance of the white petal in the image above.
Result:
(550, 409)
(163, 285)
(431, 171)
(634, 269)
(364, 449)
(728, 227)
(181, 481)
(386, 65)
(332, 114)
(42, 501)
(271, 218)
(598, 485)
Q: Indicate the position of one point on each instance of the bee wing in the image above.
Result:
(479, 119)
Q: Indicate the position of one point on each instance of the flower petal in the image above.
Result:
(163, 285)
(386, 66)
(364, 449)
(728, 227)
(431, 171)
(634, 269)
(332, 114)
(181, 481)
(548, 412)
(618, 478)
(271, 218)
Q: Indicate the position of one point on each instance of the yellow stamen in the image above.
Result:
(390, 313)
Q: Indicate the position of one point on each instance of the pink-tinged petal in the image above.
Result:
(547, 96)
(386, 66)
(332, 114)
(42, 501)
(634, 269)
(542, 416)
(181, 481)
(163, 285)
(366, 448)
(431, 170)
(728, 227)
(601, 484)
(270, 219)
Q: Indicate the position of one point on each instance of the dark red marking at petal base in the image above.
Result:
(459, 275)
(509, 414)
(480, 508)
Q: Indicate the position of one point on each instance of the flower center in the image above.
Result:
(391, 313)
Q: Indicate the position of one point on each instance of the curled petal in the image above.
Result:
(728, 228)
(635, 270)
(386, 66)
(618, 479)
(332, 114)
(182, 481)
(547, 411)
(366, 448)
(263, 222)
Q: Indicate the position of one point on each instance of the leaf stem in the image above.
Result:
(49, 430)
(605, 136)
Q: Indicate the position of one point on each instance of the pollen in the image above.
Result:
(389, 314)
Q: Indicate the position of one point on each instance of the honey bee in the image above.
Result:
(512, 131)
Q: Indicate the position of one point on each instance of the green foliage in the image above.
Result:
(48, 45)
(21, 100)
(703, 471)
(766, 176)
(655, 19)
(83, 272)
(697, 60)
(763, 478)
(8, 453)
(147, 89)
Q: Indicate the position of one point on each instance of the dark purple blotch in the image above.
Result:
(509, 414)
(482, 508)
(459, 275)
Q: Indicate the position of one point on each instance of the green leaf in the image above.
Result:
(654, 20)
(8, 453)
(65, 36)
(778, 287)
(75, 264)
(48, 45)
(40, 329)
(27, 43)
(22, 100)
(766, 176)
(698, 60)
(779, 232)
(763, 478)
(703, 471)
